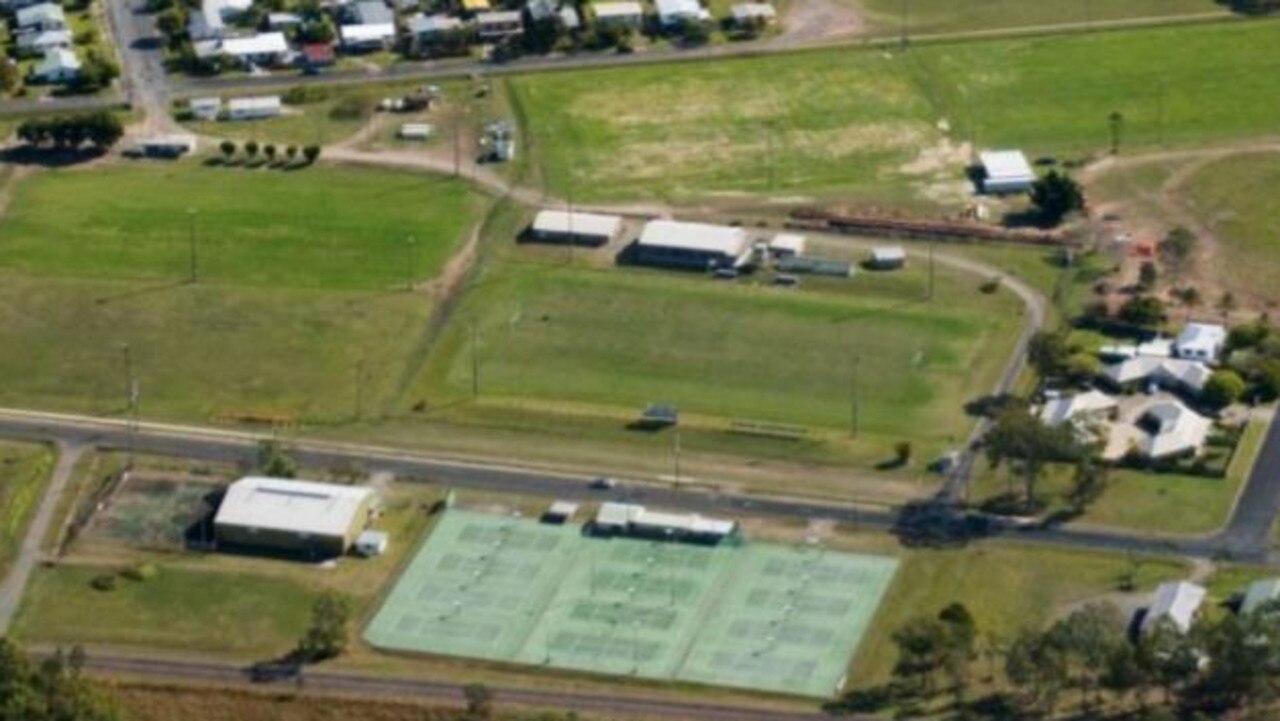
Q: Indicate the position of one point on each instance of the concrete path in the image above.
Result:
(15, 583)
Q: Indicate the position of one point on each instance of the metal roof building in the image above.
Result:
(1006, 171)
(559, 226)
(699, 246)
(1259, 594)
(1176, 602)
(635, 520)
(292, 516)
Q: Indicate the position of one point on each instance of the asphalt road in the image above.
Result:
(934, 524)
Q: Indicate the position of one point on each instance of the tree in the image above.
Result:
(270, 151)
(1227, 305)
(1143, 311)
(1115, 123)
(1223, 388)
(251, 149)
(1037, 667)
(1021, 438)
(291, 152)
(1048, 352)
(1147, 275)
(960, 643)
(10, 77)
(274, 462)
(311, 153)
(228, 149)
(922, 649)
(1176, 250)
(1088, 483)
(479, 701)
(52, 690)
(1086, 638)
(326, 637)
(1055, 195)
(96, 72)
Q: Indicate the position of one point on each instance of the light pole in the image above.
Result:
(193, 272)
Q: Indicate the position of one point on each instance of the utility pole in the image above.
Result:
(193, 274)
(1160, 112)
(457, 145)
(475, 363)
(853, 396)
(131, 402)
(768, 155)
(906, 12)
(360, 375)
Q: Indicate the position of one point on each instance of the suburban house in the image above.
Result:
(277, 514)
(619, 14)
(318, 55)
(499, 24)
(37, 42)
(1005, 172)
(1154, 371)
(210, 21)
(1200, 342)
(558, 226)
(428, 29)
(671, 13)
(370, 12)
(59, 65)
(1162, 428)
(265, 49)
(1175, 602)
(45, 16)
(889, 257)
(1081, 409)
(367, 38)
(1259, 594)
(751, 13)
(267, 106)
(540, 10)
(283, 21)
(695, 246)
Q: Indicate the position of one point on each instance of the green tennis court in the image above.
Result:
(751, 615)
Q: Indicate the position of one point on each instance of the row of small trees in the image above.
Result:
(270, 151)
(69, 132)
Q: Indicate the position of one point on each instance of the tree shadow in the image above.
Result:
(927, 524)
(140, 292)
(31, 155)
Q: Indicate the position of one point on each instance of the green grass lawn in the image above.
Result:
(24, 471)
(853, 119)
(1234, 197)
(245, 615)
(942, 16)
(324, 227)
(607, 342)
(1004, 587)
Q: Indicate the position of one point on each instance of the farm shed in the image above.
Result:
(1006, 171)
(559, 226)
(292, 516)
(889, 257)
(1176, 602)
(267, 106)
(697, 246)
(787, 245)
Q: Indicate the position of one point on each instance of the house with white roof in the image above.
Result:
(261, 49)
(37, 42)
(787, 245)
(423, 27)
(671, 13)
(1079, 409)
(887, 257)
(1260, 593)
(1154, 371)
(210, 21)
(366, 38)
(1162, 428)
(59, 65)
(45, 16)
(283, 21)
(277, 514)
(622, 13)
(1005, 172)
(1201, 342)
(370, 12)
(695, 246)
(1175, 603)
(498, 24)
(578, 228)
(750, 13)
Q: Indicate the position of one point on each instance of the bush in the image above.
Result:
(351, 108)
(140, 572)
(103, 582)
(303, 95)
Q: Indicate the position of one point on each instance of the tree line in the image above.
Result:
(49, 690)
(99, 129)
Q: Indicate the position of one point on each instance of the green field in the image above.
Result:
(193, 611)
(854, 119)
(324, 227)
(944, 16)
(757, 616)
(1234, 196)
(24, 471)
(571, 339)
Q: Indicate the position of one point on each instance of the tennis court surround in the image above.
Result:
(751, 615)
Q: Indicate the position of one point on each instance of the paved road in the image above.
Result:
(13, 585)
(920, 525)
(613, 705)
(1255, 512)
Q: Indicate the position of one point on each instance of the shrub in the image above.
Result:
(103, 582)
(140, 572)
(303, 95)
(351, 108)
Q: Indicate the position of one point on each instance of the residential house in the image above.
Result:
(1082, 410)
(1176, 603)
(671, 13)
(59, 65)
(622, 13)
(427, 29)
(1260, 593)
(283, 21)
(36, 43)
(498, 25)
(318, 55)
(540, 10)
(1201, 342)
(264, 49)
(367, 38)
(753, 13)
(210, 21)
(1163, 428)
(45, 16)
(1156, 372)
(370, 12)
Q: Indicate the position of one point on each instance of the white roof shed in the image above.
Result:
(1175, 601)
(698, 237)
(303, 507)
(562, 222)
(1007, 171)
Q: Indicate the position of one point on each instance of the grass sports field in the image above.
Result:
(758, 616)
(324, 227)
(944, 16)
(871, 120)
(561, 338)
(1234, 197)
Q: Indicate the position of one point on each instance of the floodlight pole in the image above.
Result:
(193, 274)
(931, 270)
(853, 396)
